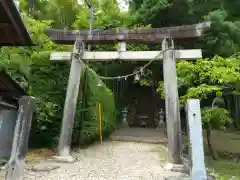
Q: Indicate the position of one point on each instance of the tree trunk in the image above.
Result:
(212, 152)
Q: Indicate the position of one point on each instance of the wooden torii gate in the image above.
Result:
(122, 36)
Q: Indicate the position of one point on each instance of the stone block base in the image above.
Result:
(64, 159)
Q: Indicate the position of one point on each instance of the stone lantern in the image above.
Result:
(161, 123)
(124, 115)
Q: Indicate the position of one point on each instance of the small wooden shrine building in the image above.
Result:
(12, 33)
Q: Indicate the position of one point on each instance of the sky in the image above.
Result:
(16, 3)
(123, 5)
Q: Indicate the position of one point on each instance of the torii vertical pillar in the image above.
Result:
(172, 103)
(70, 107)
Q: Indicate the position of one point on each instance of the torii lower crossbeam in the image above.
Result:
(127, 55)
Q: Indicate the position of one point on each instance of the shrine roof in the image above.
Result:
(12, 29)
(131, 36)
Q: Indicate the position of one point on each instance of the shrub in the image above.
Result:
(97, 92)
(214, 118)
(48, 84)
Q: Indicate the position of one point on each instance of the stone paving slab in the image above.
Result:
(45, 166)
(112, 161)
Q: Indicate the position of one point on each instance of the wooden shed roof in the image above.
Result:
(8, 87)
(10, 92)
(12, 29)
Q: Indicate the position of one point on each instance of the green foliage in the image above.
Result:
(50, 95)
(107, 15)
(144, 82)
(223, 37)
(149, 8)
(200, 92)
(207, 76)
(218, 94)
(145, 77)
(97, 92)
(218, 70)
(160, 89)
(61, 13)
(224, 168)
(217, 118)
(31, 68)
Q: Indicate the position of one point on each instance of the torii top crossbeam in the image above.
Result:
(130, 36)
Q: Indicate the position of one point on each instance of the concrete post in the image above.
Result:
(27, 106)
(196, 150)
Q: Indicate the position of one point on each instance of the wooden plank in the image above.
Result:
(172, 105)
(127, 55)
(196, 150)
(130, 36)
(8, 34)
(7, 105)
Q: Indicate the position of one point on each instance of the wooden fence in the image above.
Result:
(233, 105)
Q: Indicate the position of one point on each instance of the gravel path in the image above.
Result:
(111, 161)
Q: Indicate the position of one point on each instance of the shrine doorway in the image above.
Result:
(143, 106)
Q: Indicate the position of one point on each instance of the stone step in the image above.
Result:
(152, 140)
